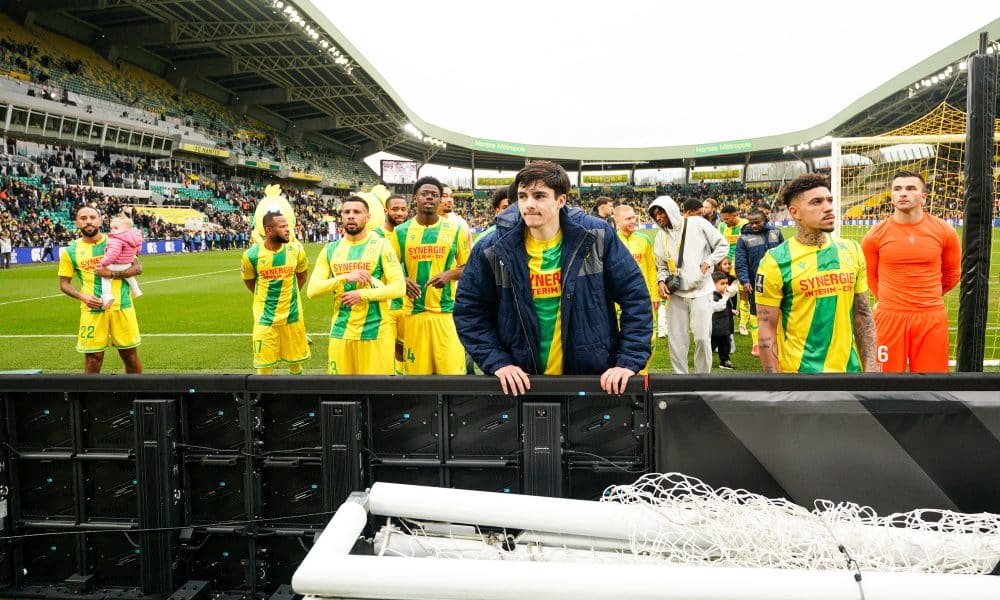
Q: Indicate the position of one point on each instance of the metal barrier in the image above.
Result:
(196, 486)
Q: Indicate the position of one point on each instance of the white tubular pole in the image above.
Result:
(535, 513)
(836, 183)
(336, 540)
(396, 543)
(444, 579)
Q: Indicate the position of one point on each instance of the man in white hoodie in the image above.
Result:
(690, 305)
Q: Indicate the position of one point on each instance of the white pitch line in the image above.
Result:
(143, 283)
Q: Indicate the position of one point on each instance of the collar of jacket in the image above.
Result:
(577, 240)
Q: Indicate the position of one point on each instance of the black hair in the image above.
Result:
(548, 172)
(905, 173)
(268, 219)
(356, 199)
(693, 204)
(499, 195)
(428, 180)
(803, 183)
(719, 276)
(728, 209)
(76, 213)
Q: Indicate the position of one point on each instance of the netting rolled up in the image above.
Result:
(737, 528)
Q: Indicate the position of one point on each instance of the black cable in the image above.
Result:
(161, 529)
(606, 460)
(851, 563)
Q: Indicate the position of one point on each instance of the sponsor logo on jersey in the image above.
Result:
(546, 284)
(276, 272)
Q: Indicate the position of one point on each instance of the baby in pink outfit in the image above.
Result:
(124, 243)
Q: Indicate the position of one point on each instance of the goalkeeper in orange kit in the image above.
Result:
(914, 259)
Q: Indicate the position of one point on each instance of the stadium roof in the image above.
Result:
(721, 67)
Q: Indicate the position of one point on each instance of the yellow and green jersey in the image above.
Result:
(641, 249)
(732, 235)
(276, 294)
(79, 260)
(373, 255)
(426, 251)
(545, 272)
(395, 303)
(814, 287)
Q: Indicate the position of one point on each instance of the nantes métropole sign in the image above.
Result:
(723, 147)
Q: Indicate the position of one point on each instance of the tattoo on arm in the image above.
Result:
(864, 331)
(767, 342)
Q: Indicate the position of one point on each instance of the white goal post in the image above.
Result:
(451, 544)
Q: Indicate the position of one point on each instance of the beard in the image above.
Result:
(89, 231)
(353, 228)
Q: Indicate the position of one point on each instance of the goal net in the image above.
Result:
(861, 170)
(713, 543)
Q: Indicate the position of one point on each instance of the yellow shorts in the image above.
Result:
(279, 343)
(394, 319)
(431, 345)
(97, 329)
(363, 357)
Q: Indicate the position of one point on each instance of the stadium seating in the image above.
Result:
(66, 64)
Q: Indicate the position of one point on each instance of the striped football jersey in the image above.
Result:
(814, 288)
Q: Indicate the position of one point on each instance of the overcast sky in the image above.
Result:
(643, 73)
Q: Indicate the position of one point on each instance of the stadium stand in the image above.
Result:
(55, 68)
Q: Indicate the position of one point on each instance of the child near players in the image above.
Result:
(124, 243)
(723, 307)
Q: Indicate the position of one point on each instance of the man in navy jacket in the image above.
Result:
(538, 293)
(756, 238)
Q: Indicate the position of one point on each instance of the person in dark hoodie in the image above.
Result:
(538, 294)
(689, 310)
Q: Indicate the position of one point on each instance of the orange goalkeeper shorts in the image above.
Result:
(917, 339)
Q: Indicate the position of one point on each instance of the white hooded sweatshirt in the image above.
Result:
(703, 244)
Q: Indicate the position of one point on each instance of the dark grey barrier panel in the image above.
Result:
(845, 438)
(263, 460)
(463, 432)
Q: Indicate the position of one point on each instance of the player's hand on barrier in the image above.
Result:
(614, 380)
(350, 298)
(358, 277)
(513, 380)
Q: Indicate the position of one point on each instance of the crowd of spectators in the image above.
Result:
(54, 70)
(479, 213)
(33, 195)
(37, 201)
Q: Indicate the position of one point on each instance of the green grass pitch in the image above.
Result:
(195, 318)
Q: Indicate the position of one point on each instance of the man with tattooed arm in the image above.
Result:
(812, 292)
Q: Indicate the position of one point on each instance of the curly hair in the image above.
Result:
(794, 188)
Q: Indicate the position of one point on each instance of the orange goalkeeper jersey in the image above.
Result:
(911, 266)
